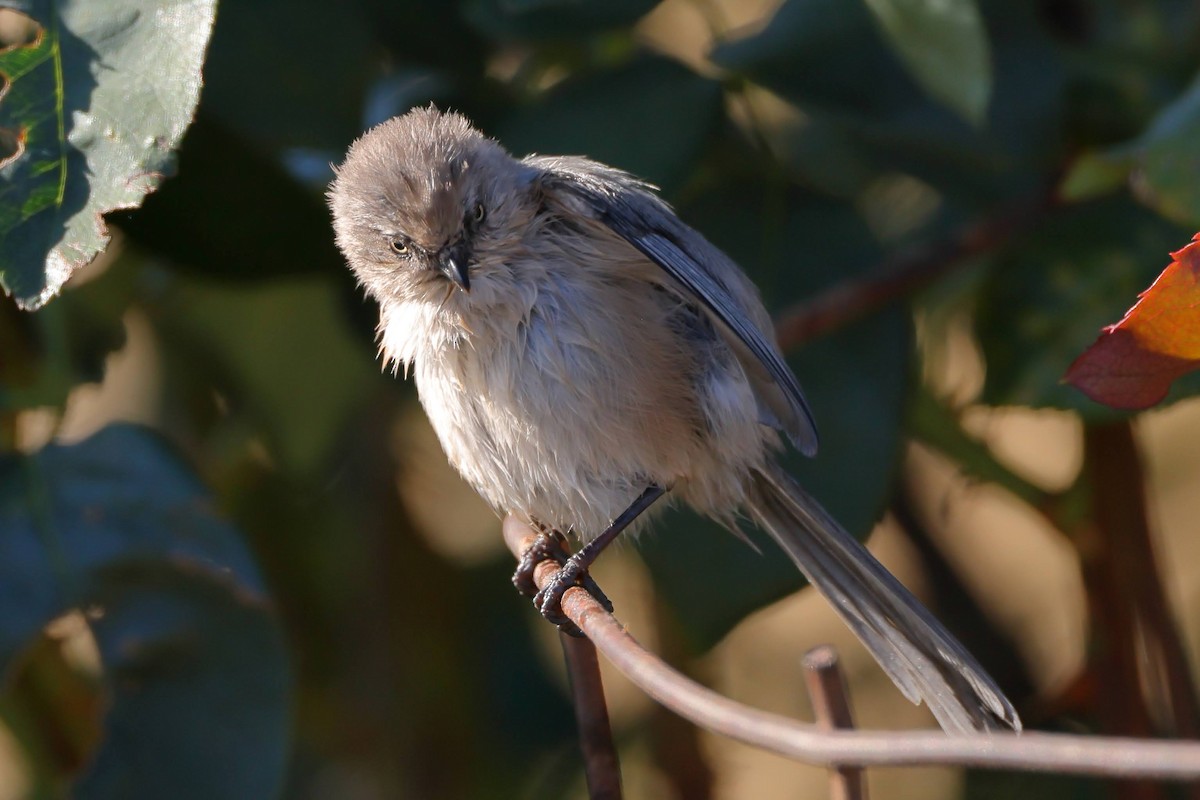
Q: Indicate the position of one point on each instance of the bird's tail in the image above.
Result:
(917, 653)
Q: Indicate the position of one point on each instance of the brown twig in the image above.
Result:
(1028, 752)
(601, 766)
(845, 302)
(831, 706)
(1139, 643)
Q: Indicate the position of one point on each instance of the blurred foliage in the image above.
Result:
(814, 147)
(116, 526)
(945, 47)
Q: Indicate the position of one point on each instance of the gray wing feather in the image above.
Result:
(632, 211)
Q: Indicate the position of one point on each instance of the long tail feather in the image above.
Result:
(916, 652)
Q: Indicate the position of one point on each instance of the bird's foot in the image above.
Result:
(550, 544)
(548, 600)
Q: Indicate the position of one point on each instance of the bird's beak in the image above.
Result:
(452, 262)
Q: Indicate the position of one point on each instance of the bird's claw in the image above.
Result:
(547, 545)
(571, 572)
(548, 600)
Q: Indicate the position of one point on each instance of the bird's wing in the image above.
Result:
(631, 210)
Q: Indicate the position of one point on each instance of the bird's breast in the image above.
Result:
(566, 412)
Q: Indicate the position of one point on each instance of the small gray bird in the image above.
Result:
(580, 352)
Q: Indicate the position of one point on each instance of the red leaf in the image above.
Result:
(1134, 362)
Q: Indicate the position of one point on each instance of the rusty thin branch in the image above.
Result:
(831, 706)
(1028, 752)
(1119, 494)
(601, 766)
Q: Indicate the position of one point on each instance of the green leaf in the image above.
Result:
(944, 44)
(292, 73)
(824, 54)
(1049, 295)
(99, 102)
(1095, 174)
(283, 354)
(591, 115)
(192, 656)
(550, 18)
(828, 57)
(1161, 165)
(1168, 160)
(792, 244)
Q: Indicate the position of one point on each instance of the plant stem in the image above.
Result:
(1137, 643)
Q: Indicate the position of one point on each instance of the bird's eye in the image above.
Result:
(480, 212)
(399, 247)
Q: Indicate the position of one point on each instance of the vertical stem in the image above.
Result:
(831, 703)
(601, 766)
(1139, 659)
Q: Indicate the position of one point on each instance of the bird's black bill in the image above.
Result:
(452, 262)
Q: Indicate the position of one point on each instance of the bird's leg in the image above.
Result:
(574, 571)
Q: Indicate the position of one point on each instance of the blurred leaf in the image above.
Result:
(792, 244)
(1167, 177)
(291, 73)
(284, 355)
(1134, 362)
(532, 19)
(673, 110)
(1048, 295)
(1126, 106)
(192, 657)
(271, 226)
(393, 23)
(1094, 174)
(944, 44)
(200, 688)
(48, 354)
(1024, 134)
(823, 157)
(98, 103)
(986, 785)
(827, 56)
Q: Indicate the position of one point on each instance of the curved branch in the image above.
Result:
(1029, 752)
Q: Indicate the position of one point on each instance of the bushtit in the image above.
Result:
(581, 352)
